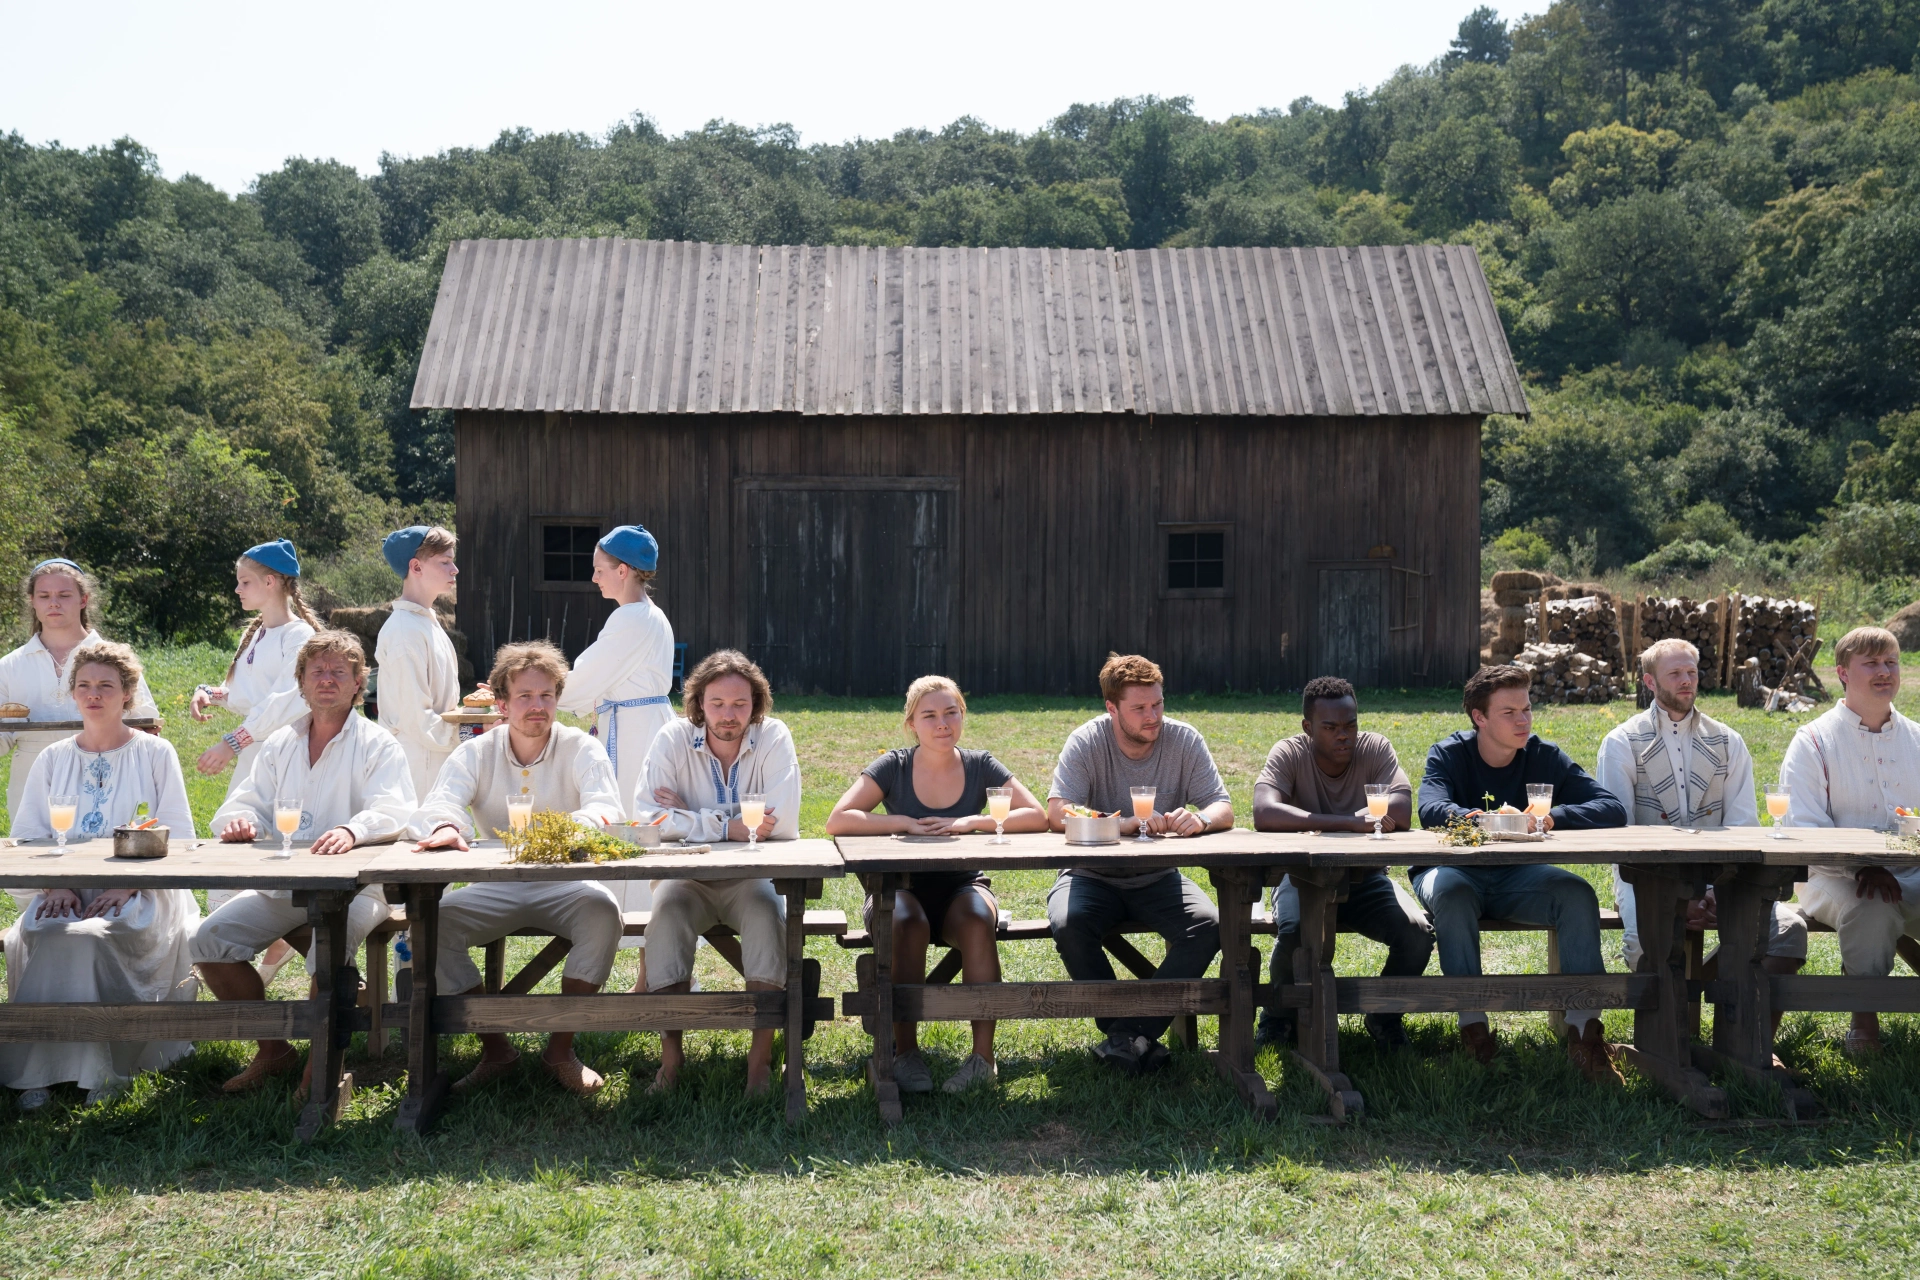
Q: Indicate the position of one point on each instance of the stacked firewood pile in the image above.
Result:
(1591, 626)
(1696, 621)
(1774, 631)
(1562, 673)
(1513, 591)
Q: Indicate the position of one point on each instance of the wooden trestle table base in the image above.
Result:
(322, 885)
(796, 868)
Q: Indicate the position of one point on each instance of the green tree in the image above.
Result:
(1659, 260)
(1458, 172)
(325, 208)
(1611, 162)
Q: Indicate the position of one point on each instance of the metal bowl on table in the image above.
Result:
(1502, 824)
(1906, 824)
(142, 842)
(647, 837)
(1093, 830)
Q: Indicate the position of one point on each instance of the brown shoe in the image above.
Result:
(1594, 1056)
(575, 1076)
(485, 1072)
(1477, 1039)
(260, 1069)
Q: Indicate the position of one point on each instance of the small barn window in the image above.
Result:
(566, 552)
(1196, 560)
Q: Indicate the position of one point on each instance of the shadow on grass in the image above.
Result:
(1053, 1112)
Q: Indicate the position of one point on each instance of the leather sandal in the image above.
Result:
(575, 1076)
(260, 1069)
(485, 1072)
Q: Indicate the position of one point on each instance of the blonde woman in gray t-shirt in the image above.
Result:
(1133, 745)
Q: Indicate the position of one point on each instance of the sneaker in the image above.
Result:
(1153, 1056)
(911, 1074)
(34, 1099)
(1389, 1032)
(1123, 1052)
(1594, 1056)
(1477, 1039)
(975, 1070)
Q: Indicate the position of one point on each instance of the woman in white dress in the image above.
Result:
(259, 684)
(60, 595)
(100, 945)
(622, 678)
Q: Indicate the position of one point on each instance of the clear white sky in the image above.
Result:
(227, 90)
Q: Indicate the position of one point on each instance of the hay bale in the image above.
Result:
(1905, 626)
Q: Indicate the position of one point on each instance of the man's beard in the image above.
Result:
(1668, 699)
(727, 733)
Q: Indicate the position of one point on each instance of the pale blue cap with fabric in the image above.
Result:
(632, 544)
(401, 544)
(278, 556)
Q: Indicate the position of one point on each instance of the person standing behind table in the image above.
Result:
(1850, 767)
(935, 788)
(100, 945)
(1135, 744)
(419, 671)
(352, 779)
(1671, 765)
(565, 771)
(60, 596)
(622, 678)
(1317, 781)
(259, 683)
(1498, 757)
(697, 769)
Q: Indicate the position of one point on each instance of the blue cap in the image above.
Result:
(278, 556)
(632, 544)
(401, 544)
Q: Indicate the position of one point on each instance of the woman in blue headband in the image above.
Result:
(622, 678)
(61, 596)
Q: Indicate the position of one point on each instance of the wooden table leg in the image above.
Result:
(1319, 1029)
(427, 1084)
(1240, 966)
(336, 994)
(1660, 1046)
(1743, 1018)
(880, 1065)
(795, 892)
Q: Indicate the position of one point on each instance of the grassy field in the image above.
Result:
(1456, 1170)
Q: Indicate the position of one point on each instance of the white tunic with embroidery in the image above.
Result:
(30, 676)
(141, 955)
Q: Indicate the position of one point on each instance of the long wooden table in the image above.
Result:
(324, 886)
(797, 868)
(1233, 860)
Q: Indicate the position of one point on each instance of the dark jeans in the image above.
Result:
(1082, 911)
(1375, 908)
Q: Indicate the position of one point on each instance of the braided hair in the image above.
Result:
(289, 591)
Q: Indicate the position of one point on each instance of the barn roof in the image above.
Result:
(649, 326)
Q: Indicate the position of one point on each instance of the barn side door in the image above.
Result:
(1350, 638)
(850, 580)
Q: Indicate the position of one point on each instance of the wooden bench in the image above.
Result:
(819, 923)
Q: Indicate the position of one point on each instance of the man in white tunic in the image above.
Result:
(60, 596)
(88, 945)
(562, 769)
(622, 678)
(697, 770)
(352, 780)
(419, 671)
(1673, 765)
(1850, 768)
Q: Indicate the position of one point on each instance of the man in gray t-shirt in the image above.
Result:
(1135, 745)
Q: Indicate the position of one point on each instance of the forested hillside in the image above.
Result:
(1700, 218)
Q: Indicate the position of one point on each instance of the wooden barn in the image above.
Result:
(865, 464)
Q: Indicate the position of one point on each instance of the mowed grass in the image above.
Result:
(1063, 1170)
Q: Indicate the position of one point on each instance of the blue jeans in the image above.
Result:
(1457, 897)
(1083, 910)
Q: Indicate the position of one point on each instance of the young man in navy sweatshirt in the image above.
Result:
(1498, 758)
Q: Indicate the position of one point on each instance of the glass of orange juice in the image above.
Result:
(1379, 795)
(1778, 802)
(287, 812)
(753, 812)
(999, 805)
(1143, 798)
(519, 809)
(1539, 803)
(61, 811)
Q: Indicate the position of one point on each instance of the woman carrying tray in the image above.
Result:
(622, 678)
(935, 788)
(118, 946)
(61, 596)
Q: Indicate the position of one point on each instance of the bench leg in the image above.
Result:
(537, 968)
(947, 970)
(496, 967)
(336, 993)
(427, 1084)
(1319, 1024)
(1743, 1026)
(1240, 966)
(728, 947)
(1660, 1047)
(378, 950)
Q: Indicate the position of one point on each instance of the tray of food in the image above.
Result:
(477, 707)
(17, 717)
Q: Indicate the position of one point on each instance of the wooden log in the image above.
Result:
(1146, 997)
(167, 1020)
(687, 1011)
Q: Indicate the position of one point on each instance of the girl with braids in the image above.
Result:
(61, 596)
(259, 684)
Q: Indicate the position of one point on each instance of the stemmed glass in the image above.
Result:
(1379, 794)
(753, 811)
(999, 805)
(1143, 798)
(1539, 802)
(1778, 802)
(287, 811)
(60, 813)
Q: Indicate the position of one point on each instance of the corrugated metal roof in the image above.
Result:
(649, 326)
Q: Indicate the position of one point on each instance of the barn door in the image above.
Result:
(1351, 640)
(850, 590)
